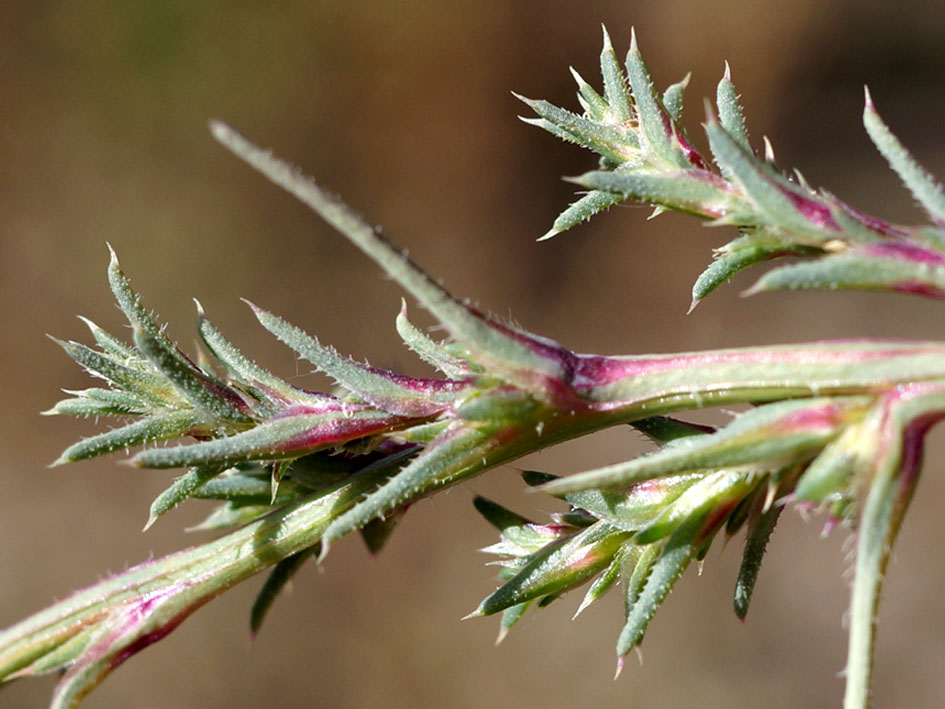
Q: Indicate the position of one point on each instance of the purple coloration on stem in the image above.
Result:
(140, 612)
(420, 385)
(597, 370)
(873, 223)
(918, 288)
(826, 417)
(337, 432)
(904, 251)
(813, 211)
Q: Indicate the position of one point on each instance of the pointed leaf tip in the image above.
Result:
(607, 43)
(621, 661)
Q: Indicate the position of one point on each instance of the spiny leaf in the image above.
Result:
(699, 193)
(774, 432)
(738, 255)
(110, 345)
(558, 567)
(431, 352)
(180, 490)
(159, 427)
(595, 106)
(99, 402)
(922, 185)
(277, 580)
(247, 371)
(656, 125)
(396, 394)
(148, 385)
(673, 98)
(282, 438)
(626, 555)
(637, 507)
(660, 574)
(880, 267)
(205, 393)
(586, 207)
(616, 91)
(489, 345)
(608, 140)
(731, 116)
(756, 542)
(782, 203)
(449, 458)
(138, 316)
(717, 492)
(511, 616)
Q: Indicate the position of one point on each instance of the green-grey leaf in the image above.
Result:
(625, 556)
(271, 440)
(280, 575)
(594, 104)
(130, 303)
(431, 352)
(182, 488)
(616, 92)
(680, 190)
(110, 345)
(244, 369)
(448, 459)
(487, 344)
(731, 116)
(719, 490)
(768, 190)
(652, 117)
(158, 427)
(586, 207)
(205, 393)
(759, 531)
(632, 510)
(673, 98)
(148, 385)
(922, 185)
(558, 567)
(772, 432)
(662, 574)
(737, 256)
(856, 269)
(612, 141)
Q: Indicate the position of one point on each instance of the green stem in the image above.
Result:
(907, 418)
(93, 631)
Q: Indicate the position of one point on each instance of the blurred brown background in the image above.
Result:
(404, 108)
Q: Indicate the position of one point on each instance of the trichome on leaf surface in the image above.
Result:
(838, 426)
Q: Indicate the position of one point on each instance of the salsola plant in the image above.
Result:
(837, 426)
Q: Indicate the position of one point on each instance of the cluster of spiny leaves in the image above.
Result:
(261, 442)
(834, 425)
(646, 156)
